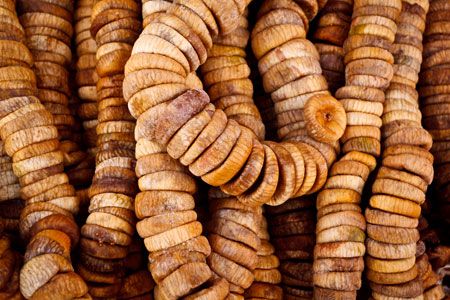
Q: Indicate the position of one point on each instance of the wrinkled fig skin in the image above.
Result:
(31, 140)
(11, 204)
(291, 226)
(267, 276)
(233, 233)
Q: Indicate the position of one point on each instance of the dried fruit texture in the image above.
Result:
(168, 224)
(138, 281)
(137, 285)
(228, 155)
(305, 112)
(429, 260)
(332, 63)
(267, 276)
(435, 102)
(330, 31)
(171, 47)
(226, 74)
(291, 227)
(291, 72)
(184, 123)
(30, 138)
(85, 81)
(48, 32)
(399, 188)
(341, 226)
(233, 236)
(152, 8)
(109, 228)
(11, 204)
(265, 106)
(10, 264)
(214, 147)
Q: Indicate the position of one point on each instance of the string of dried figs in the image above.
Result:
(331, 30)
(177, 249)
(86, 74)
(291, 227)
(226, 74)
(171, 262)
(154, 9)
(11, 204)
(406, 170)
(144, 106)
(340, 231)
(267, 275)
(291, 73)
(48, 29)
(86, 80)
(214, 288)
(233, 236)
(294, 61)
(31, 139)
(163, 179)
(136, 105)
(434, 92)
(305, 111)
(10, 264)
(109, 228)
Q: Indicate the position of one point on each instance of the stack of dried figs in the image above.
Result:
(406, 170)
(109, 228)
(31, 139)
(434, 91)
(333, 25)
(10, 264)
(291, 228)
(48, 29)
(341, 226)
(86, 80)
(164, 179)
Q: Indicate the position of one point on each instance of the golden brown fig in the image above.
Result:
(325, 118)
